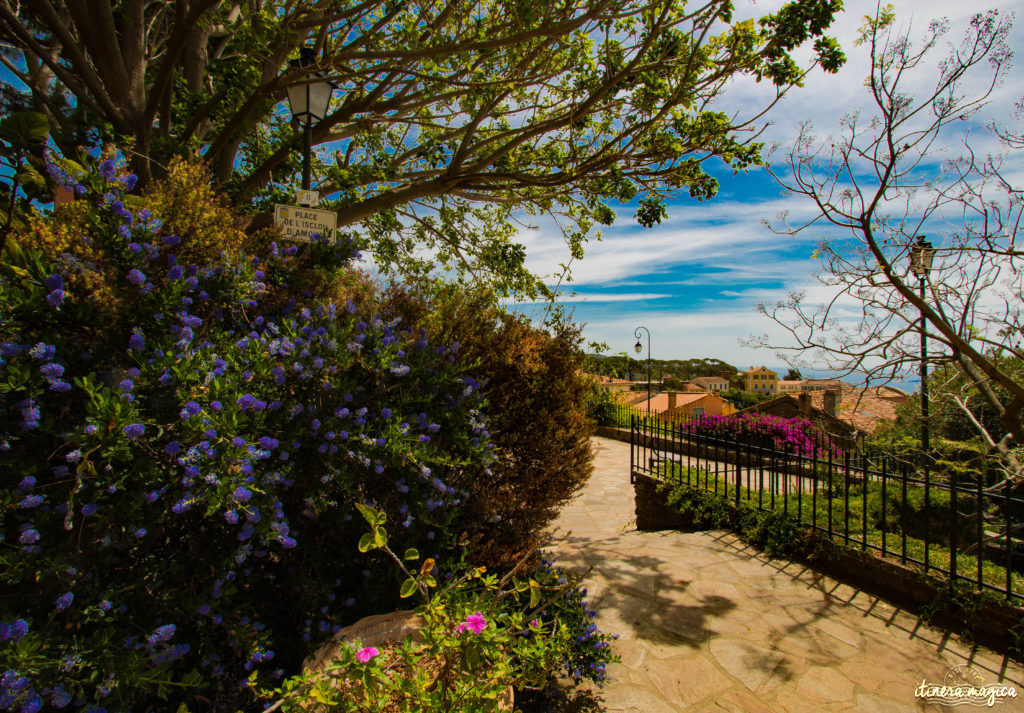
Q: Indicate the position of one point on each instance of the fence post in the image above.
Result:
(953, 525)
(632, 447)
(739, 465)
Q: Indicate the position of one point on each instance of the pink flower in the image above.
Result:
(364, 655)
(534, 623)
(474, 622)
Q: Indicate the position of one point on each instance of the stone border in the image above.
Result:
(886, 579)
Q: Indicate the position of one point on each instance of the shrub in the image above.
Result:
(480, 635)
(182, 447)
(798, 435)
(536, 401)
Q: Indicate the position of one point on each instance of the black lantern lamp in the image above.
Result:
(308, 102)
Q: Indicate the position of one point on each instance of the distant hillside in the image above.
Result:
(682, 369)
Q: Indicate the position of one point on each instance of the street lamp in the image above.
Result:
(639, 348)
(921, 255)
(308, 102)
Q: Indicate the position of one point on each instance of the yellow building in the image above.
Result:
(761, 380)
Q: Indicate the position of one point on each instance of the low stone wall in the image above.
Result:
(881, 577)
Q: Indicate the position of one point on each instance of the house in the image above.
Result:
(676, 405)
(800, 406)
(793, 386)
(864, 408)
(849, 411)
(610, 383)
(760, 379)
(821, 384)
(710, 384)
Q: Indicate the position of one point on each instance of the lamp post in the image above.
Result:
(308, 102)
(921, 255)
(639, 348)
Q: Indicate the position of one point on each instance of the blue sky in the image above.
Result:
(695, 280)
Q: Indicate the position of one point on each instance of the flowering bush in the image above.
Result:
(481, 635)
(536, 392)
(798, 435)
(182, 443)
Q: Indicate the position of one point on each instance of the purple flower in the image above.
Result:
(191, 409)
(242, 494)
(134, 430)
(31, 501)
(136, 277)
(126, 385)
(64, 601)
(27, 483)
(161, 634)
(29, 537)
(54, 298)
(88, 509)
(54, 282)
(172, 448)
(19, 629)
(74, 456)
(51, 370)
(136, 342)
(106, 169)
(175, 273)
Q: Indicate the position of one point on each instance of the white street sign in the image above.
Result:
(299, 222)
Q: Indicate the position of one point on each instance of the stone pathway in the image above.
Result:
(708, 624)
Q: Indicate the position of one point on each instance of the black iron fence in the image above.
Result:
(947, 518)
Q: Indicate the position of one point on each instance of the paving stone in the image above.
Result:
(631, 698)
(825, 684)
(756, 667)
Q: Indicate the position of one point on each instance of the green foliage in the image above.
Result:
(536, 400)
(745, 399)
(465, 114)
(480, 636)
(23, 138)
(680, 369)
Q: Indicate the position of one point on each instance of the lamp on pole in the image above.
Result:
(308, 102)
(921, 256)
(639, 348)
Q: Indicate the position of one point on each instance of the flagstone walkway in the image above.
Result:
(708, 624)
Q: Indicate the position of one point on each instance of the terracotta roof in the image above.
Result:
(865, 408)
(790, 382)
(705, 380)
(659, 402)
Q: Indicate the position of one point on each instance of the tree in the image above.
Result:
(793, 374)
(885, 180)
(449, 116)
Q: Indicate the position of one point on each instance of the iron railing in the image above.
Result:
(944, 517)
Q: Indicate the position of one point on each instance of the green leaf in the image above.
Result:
(366, 542)
(368, 513)
(411, 554)
(534, 594)
(25, 129)
(380, 537)
(408, 588)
